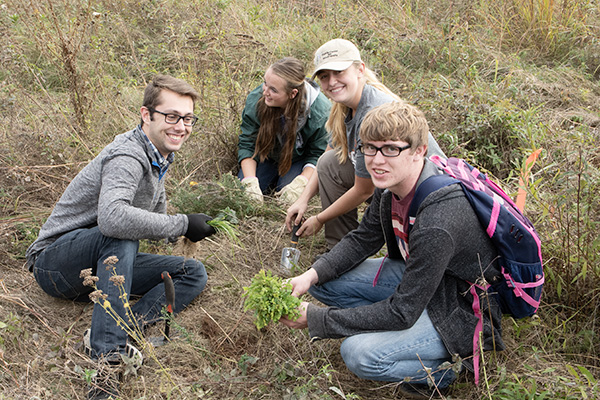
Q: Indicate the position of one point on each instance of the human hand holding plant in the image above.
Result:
(271, 299)
(301, 283)
(301, 322)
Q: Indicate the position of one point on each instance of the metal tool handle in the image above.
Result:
(170, 297)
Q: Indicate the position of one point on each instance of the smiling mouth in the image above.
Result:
(175, 137)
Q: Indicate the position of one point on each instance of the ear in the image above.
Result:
(145, 114)
(420, 152)
(293, 93)
(361, 69)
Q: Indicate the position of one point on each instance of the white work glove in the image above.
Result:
(252, 188)
(292, 191)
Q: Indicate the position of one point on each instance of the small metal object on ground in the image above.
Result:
(290, 255)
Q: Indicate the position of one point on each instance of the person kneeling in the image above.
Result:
(410, 311)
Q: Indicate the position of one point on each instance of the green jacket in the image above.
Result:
(311, 136)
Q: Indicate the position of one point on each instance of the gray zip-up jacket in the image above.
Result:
(448, 248)
(121, 191)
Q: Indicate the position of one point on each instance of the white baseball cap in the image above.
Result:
(336, 55)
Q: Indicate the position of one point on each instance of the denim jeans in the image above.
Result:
(267, 173)
(391, 355)
(58, 267)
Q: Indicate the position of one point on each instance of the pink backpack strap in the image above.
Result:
(379, 271)
(518, 287)
(478, 329)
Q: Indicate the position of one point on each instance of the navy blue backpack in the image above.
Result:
(518, 245)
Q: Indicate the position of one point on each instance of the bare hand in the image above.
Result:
(295, 213)
(310, 227)
(301, 283)
(301, 322)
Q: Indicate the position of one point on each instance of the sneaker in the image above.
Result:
(87, 347)
(133, 358)
(420, 391)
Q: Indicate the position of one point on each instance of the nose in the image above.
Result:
(179, 125)
(378, 158)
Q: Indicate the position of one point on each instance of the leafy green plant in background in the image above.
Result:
(270, 298)
(225, 194)
(225, 222)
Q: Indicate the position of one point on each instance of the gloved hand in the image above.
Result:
(290, 192)
(198, 228)
(252, 188)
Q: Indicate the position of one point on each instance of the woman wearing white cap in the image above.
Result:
(283, 132)
(342, 178)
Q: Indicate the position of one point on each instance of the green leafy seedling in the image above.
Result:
(270, 298)
(225, 223)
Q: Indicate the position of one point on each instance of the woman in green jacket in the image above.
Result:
(283, 132)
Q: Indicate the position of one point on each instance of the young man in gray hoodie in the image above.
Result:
(413, 308)
(116, 200)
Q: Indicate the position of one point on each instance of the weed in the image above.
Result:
(225, 222)
(271, 299)
(129, 325)
(213, 197)
(578, 383)
(24, 235)
(11, 332)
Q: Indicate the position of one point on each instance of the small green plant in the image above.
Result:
(225, 223)
(245, 362)
(211, 197)
(271, 299)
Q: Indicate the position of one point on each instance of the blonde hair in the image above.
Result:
(397, 121)
(335, 124)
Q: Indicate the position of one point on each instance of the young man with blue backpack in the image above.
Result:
(411, 315)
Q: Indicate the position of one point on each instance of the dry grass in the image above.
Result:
(472, 70)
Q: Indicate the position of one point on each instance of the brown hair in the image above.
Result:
(335, 124)
(166, 82)
(292, 71)
(398, 121)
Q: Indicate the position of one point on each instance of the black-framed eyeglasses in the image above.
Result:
(389, 150)
(170, 118)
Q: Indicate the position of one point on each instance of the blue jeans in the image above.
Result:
(267, 173)
(58, 267)
(391, 355)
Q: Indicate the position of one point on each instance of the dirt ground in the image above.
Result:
(217, 352)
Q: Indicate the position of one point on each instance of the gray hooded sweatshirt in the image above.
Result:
(121, 191)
